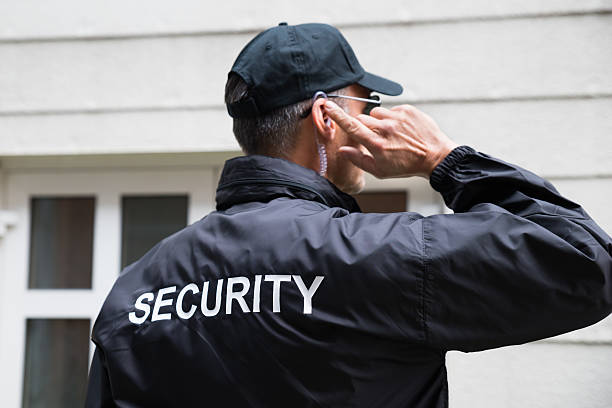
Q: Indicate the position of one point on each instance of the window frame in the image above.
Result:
(19, 303)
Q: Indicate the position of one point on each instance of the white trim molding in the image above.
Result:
(7, 219)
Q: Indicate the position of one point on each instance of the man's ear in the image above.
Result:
(321, 120)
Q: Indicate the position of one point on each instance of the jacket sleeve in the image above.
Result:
(98, 389)
(517, 261)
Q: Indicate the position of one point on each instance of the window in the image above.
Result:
(61, 243)
(146, 220)
(382, 201)
(55, 372)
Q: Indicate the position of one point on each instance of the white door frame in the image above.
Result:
(18, 303)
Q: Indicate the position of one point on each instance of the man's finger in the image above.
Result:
(383, 113)
(358, 158)
(405, 108)
(354, 128)
(372, 123)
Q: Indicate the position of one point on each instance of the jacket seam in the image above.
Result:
(424, 276)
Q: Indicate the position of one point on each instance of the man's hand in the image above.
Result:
(400, 142)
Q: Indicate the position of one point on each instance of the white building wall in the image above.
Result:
(528, 81)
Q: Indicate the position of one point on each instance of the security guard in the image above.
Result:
(289, 296)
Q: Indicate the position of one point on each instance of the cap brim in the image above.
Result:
(380, 84)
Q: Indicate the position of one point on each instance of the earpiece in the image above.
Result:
(319, 94)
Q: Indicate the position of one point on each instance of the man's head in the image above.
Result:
(270, 89)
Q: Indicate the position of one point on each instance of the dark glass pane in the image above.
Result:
(148, 220)
(56, 360)
(61, 242)
(382, 202)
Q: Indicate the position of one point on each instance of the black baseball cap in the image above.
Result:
(290, 63)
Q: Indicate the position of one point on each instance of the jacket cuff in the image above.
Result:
(439, 174)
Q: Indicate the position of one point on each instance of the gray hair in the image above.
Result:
(272, 134)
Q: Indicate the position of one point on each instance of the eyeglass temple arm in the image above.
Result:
(356, 98)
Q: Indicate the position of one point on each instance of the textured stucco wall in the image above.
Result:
(527, 81)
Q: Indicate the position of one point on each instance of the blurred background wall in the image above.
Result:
(113, 132)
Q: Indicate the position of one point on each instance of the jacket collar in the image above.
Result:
(264, 178)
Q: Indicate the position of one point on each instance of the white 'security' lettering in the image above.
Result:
(237, 290)
(140, 305)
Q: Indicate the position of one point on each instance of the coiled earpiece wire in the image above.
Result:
(320, 146)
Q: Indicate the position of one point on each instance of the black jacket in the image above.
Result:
(320, 305)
